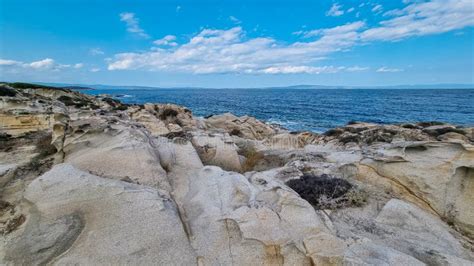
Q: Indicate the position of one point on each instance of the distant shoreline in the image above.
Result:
(299, 87)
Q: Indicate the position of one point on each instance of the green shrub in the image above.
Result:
(4, 91)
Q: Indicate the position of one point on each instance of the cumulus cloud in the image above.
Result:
(232, 51)
(389, 70)
(335, 10)
(42, 64)
(423, 18)
(6, 62)
(167, 40)
(45, 64)
(133, 25)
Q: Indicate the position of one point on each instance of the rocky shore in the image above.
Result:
(90, 180)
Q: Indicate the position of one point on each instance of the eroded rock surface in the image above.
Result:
(90, 180)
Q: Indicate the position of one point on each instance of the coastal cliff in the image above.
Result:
(91, 180)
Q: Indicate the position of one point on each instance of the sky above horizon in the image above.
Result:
(237, 43)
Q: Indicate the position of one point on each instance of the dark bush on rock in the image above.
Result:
(4, 91)
(121, 108)
(21, 85)
(350, 138)
(430, 123)
(326, 192)
(111, 102)
(180, 134)
(43, 144)
(68, 101)
(333, 132)
(235, 132)
(168, 113)
(443, 130)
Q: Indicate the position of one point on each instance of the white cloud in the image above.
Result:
(96, 51)
(377, 9)
(300, 69)
(6, 62)
(357, 69)
(335, 10)
(45, 64)
(350, 27)
(389, 70)
(95, 69)
(133, 25)
(42, 64)
(167, 40)
(423, 18)
(311, 69)
(350, 10)
(230, 51)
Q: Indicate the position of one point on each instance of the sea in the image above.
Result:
(315, 110)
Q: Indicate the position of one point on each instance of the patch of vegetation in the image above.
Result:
(235, 132)
(112, 102)
(66, 100)
(4, 91)
(326, 192)
(333, 132)
(120, 108)
(13, 221)
(44, 146)
(253, 158)
(350, 138)
(408, 126)
(78, 103)
(5, 207)
(180, 134)
(22, 85)
(430, 123)
(441, 131)
(168, 112)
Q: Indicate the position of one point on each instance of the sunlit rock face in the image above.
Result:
(90, 180)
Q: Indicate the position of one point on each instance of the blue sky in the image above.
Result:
(237, 43)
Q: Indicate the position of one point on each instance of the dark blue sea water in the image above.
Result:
(316, 109)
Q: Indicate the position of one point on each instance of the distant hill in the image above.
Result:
(77, 88)
(40, 85)
(320, 87)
